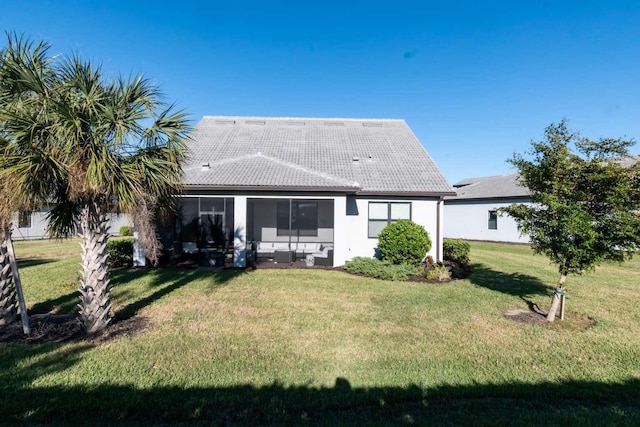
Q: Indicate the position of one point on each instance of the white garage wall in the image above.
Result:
(469, 219)
(38, 229)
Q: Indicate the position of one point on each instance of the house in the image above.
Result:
(298, 188)
(33, 225)
(472, 213)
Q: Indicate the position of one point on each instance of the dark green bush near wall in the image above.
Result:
(126, 230)
(373, 267)
(456, 250)
(120, 252)
(404, 242)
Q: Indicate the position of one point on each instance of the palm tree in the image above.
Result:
(98, 146)
(10, 286)
(15, 94)
(8, 293)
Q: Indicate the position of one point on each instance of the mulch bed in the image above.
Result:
(574, 321)
(458, 271)
(60, 328)
(526, 316)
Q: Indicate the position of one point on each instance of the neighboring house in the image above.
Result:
(286, 188)
(472, 213)
(33, 225)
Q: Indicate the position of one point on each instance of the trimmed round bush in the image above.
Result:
(404, 242)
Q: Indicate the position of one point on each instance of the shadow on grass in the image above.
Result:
(63, 304)
(31, 262)
(565, 403)
(520, 285)
(165, 281)
(21, 364)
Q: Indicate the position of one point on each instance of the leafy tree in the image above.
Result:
(92, 146)
(585, 202)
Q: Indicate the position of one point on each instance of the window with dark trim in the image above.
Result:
(382, 214)
(493, 220)
(304, 218)
(24, 220)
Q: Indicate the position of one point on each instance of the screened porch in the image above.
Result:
(286, 230)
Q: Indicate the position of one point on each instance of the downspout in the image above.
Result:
(438, 227)
(290, 211)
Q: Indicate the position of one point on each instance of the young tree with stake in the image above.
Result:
(585, 202)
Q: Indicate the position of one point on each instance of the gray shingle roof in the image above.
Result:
(258, 169)
(490, 187)
(506, 186)
(353, 155)
(628, 161)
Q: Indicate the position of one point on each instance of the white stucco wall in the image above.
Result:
(470, 220)
(423, 212)
(116, 221)
(340, 231)
(38, 229)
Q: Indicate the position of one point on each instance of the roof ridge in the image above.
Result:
(287, 164)
(349, 119)
(489, 176)
(311, 171)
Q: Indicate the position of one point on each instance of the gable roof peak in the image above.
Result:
(382, 155)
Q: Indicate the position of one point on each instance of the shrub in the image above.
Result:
(456, 250)
(404, 242)
(372, 267)
(439, 273)
(126, 230)
(120, 252)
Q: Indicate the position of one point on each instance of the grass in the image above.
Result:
(325, 347)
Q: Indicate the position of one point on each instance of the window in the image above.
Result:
(493, 220)
(24, 220)
(304, 218)
(382, 214)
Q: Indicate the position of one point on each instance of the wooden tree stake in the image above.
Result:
(18, 284)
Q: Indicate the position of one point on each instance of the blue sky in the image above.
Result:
(475, 80)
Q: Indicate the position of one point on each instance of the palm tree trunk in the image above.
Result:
(557, 296)
(8, 296)
(95, 309)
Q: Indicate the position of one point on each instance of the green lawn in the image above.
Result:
(324, 347)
